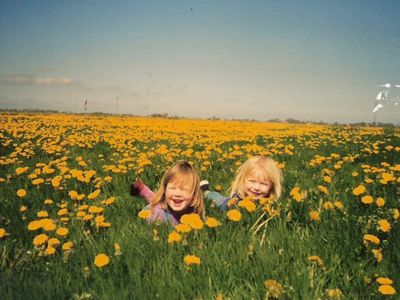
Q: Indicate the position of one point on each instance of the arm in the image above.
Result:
(146, 193)
(219, 200)
(138, 188)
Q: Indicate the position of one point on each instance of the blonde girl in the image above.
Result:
(179, 193)
(259, 177)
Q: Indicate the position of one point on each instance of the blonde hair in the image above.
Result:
(269, 169)
(184, 172)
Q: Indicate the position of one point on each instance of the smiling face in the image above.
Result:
(179, 195)
(256, 185)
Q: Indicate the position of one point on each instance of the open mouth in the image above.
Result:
(256, 194)
(177, 201)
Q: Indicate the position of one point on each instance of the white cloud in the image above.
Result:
(35, 80)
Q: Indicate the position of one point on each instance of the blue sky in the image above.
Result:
(308, 60)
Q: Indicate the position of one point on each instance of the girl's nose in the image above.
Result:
(257, 186)
(178, 193)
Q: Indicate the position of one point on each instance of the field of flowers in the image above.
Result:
(70, 229)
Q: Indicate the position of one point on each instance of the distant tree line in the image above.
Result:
(166, 116)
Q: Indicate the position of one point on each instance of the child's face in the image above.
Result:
(178, 195)
(256, 185)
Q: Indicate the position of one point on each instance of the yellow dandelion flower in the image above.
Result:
(67, 246)
(83, 207)
(232, 202)
(73, 195)
(193, 220)
(117, 249)
(354, 174)
(48, 201)
(48, 224)
(62, 212)
(368, 180)
(32, 176)
(273, 287)
(183, 228)
(103, 224)
(3, 233)
(23, 208)
(247, 204)
(384, 280)
(80, 214)
(314, 215)
(95, 209)
(334, 293)
(315, 259)
(378, 254)
(212, 222)
(296, 194)
(337, 166)
(88, 217)
(34, 225)
(387, 177)
(328, 205)
(94, 195)
(144, 214)
(174, 237)
(37, 181)
(56, 181)
(101, 260)
(371, 238)
(192, 260)
(386, 290)
(21, 193)
(62, 231)
(50, 250)
(384, 225)
(396, 213)
(21, 170)
(367, 199)
(42, 214)
(234, 215)
(338, 204)
(53, 242)
(327, 179)
(359, 190)
(109, 201)
(40, 239)
(99, 219)
(380, 202)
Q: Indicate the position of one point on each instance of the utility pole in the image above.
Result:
(116, 105)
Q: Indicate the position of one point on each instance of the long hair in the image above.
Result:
(269, 169)
(181, 172)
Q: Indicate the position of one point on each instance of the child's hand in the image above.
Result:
(136, 187)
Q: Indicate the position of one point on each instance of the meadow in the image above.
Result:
(70, 230)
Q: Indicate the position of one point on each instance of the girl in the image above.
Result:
(258, 177)
(179, 194)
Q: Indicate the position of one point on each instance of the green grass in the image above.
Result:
(235, 261)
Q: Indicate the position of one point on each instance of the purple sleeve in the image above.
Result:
(147, 193)
(158, 214)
